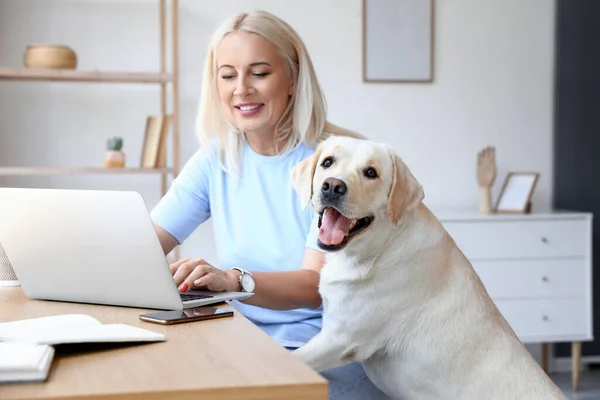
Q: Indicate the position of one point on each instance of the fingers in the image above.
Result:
(206, 281)
(198, 274)
(174, 266)
(488, 154)
(215, 280)
(192, 269)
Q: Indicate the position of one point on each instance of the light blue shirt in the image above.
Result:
(258, 221)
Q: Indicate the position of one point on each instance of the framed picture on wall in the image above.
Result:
(398, 40)
(516, 193)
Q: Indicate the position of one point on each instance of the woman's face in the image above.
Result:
(253, 84)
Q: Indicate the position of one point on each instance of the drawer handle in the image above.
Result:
(545, 318)
(544, 240)
(545, 278)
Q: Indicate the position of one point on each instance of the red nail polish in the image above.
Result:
(183, 287)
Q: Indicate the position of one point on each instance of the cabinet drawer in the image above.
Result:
(546, 318)
(534, 278)
(520, 239)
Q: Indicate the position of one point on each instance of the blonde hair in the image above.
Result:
(304, 119)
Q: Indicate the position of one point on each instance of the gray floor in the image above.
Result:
(589, 385)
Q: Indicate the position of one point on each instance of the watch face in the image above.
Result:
(248, 283)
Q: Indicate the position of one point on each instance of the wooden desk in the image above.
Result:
(221, 359)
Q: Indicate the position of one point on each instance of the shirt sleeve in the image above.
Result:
(186, 204)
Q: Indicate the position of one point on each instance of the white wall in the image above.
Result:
(493, 85)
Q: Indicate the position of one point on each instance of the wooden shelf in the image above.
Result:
(5, 171)
(167, 80)
(69, 75)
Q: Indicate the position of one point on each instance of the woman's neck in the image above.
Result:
(264, 144)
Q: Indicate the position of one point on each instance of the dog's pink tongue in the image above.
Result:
(334, 227)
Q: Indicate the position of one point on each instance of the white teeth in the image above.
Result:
(352, 223)
(248, 108)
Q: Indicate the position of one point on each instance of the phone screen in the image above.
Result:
(187, 315)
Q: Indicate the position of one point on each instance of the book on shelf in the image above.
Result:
(154, 149)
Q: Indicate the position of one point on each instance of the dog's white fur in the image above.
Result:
(402, 298)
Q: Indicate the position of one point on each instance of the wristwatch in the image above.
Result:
(247, 282)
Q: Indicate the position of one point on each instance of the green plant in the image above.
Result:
(115, 143)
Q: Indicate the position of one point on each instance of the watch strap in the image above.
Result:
(242, 271)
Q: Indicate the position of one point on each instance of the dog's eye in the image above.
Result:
(327, 162)
(371, 173)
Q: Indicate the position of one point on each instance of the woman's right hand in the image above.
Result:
(199, 274)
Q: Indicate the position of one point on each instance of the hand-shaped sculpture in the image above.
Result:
(486, 175)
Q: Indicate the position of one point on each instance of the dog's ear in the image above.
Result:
(302, 177)
(406, 191)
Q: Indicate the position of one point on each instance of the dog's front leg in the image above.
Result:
(325, 351)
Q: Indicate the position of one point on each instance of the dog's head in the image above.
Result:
(354, 184)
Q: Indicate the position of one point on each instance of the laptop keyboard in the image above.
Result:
(188, 297)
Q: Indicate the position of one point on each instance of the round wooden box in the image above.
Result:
(49, 56)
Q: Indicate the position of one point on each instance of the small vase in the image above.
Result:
(114, 159)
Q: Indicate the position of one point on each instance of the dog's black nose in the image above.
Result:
(333, 189)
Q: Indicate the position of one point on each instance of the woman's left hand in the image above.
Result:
(198, 274)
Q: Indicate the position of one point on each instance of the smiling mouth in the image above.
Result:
(249, 108)
(336, 230)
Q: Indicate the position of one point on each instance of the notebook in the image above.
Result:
(24, 362)
(73, 328)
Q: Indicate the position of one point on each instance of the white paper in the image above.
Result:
(516, 193)
(73, 328)
(27, 327)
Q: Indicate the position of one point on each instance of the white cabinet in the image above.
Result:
(537, 268)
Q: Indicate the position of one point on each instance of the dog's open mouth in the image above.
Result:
(335, 230)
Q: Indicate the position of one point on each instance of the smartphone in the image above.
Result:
(188, 315)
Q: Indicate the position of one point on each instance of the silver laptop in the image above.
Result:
(91, 246)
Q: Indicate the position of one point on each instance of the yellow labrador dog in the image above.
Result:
(399, 295)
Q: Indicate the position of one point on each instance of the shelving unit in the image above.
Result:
(161, 77)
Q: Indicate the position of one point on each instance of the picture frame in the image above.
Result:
(517, 191)
(154, 144)
(398, 41)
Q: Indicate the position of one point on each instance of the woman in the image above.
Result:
(261, 112)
